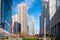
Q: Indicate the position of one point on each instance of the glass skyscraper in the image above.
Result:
(0, 12)
(31, 25)
(6, 14)
(17, 27)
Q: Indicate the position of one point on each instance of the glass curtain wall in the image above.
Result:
(6, 14)
(58, 3)
(0, 12)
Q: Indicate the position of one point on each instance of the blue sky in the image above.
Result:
(34, 8)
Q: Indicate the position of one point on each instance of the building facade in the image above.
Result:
(52, 8)
(48, 11)
(28, 30)
(31, 25)
(16, 25)
(22, 11)
(6, 14)
(0, 12)
(41, 24)
(45, 14)
(55, 22)
(21, 19)
(57, 4)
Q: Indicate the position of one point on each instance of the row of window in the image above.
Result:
(5, 13)
(55, 30)
(17, 27)
(58, 3)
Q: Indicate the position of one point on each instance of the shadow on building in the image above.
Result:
(55, 25)
(17, 27)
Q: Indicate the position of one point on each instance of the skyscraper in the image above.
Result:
(28, 30)
(14, 19)
(16, 26)
(41, 24)
(31, 25)
(55, 21)
(45, 14)
(48, 11)
(22, 11)
(0, 12)
(6, 14)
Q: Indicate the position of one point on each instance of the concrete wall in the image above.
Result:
(55, 24)
(52, 8)
(55, 19)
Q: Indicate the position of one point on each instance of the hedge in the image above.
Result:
(30, 38)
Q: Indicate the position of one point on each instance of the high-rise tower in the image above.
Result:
(31, 25)
(22, 11)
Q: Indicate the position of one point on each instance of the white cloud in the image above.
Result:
(14, 15)
(29, 3)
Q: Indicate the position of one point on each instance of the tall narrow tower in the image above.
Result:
(31, 25)
(6, 14)
(23, 17)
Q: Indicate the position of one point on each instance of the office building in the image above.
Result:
(0, 15)
(6, 14)
(44, 14)
(20, 20)
(16, 26)
(31, 25)
(55, 22)
(41, 25)
(0, 12)
(28, 30)
(48, 11)
(52, 8)
(57, 4)
(22, 11)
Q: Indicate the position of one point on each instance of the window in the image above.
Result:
(58, 3)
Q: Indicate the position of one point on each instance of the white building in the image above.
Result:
(31, 25)
(22, 11)
(14, 19)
